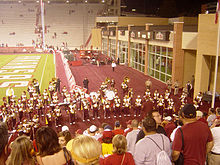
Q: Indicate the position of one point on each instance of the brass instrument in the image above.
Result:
(126, 79)
(107, 80)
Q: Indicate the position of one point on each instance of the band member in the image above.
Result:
(36, 125)
(113, 83)
(63, 92)
(156, 96)
(48, 119)
(85, 106)
(117, 106)
(147, 96)
(55, 99)
(51, 89)
(176, 88)
(170, 107)
(24, 98)
(138, 106)
(72, 112)
(36, 86)
(124, 87)
(30, 90)
(161, 105)
(5, 104)
(67, 99)
(13, 117)
(46, 98)
(166, 94)
(166, 97)
(130, 93)
(30, 108)
(57, 114)
(199, 98)
(106, 108)
(95, 107)
(35, 96)
(20, 110)
(126, 105)
(39, 106)
(103, 89)
(183, 99)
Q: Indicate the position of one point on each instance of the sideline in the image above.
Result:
(43, 72)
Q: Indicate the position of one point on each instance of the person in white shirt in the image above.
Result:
(93, 132)
(214, 155)
(113, 66)
(212, 116)
(9, 94)
(132, 136)
(146, 149)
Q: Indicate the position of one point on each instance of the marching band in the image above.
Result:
(29, 112)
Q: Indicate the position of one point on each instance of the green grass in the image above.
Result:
(47, 76)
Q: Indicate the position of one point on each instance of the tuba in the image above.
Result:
(126, 79)
(107, 80)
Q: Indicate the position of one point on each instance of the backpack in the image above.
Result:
(162, 156)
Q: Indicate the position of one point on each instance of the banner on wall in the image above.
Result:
(70, 78)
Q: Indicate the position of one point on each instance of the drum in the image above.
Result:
(110, 95)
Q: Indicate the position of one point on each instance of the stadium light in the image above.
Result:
(86, 1)
(67, 1)
(48, 1)
(37, 1)
(19, 1)
(103, 1)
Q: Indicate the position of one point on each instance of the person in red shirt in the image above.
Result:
(170, 126)
(119, 156)
(197, 138)
(200, 117)
(117, 130)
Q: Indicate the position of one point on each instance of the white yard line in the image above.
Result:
(43, 72)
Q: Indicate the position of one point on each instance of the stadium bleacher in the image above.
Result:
(65, 23)
(17, 24)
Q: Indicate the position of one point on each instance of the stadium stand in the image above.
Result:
(17, 24)
(68, 24)
(71, 24)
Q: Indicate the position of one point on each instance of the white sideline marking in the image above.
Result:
(43, 72)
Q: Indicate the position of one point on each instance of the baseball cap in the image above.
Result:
(117, 124)
(189, 111)
(199, 114)
(107, 128)
(65, 128)
(92, 128)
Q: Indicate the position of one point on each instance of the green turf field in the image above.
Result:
(44, 71)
